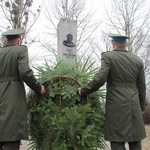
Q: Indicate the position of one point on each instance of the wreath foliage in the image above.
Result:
(61, 119)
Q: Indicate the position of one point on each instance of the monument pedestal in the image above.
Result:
(67, 39)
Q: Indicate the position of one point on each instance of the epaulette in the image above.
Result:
(22, 46)
(105, 52)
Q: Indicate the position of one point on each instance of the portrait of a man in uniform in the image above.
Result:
(69, 42)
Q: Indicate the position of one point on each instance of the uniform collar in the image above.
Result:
(120, 49)
(9, 44)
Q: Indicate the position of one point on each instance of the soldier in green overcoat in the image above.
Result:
(123, 72)
(14, 71)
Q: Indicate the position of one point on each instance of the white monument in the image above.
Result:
(67, 39)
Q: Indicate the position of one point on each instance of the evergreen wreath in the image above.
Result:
(61, 119)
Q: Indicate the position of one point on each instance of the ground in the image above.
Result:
(146, 142)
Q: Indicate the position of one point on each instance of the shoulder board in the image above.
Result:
(106, 52)
(23, 45)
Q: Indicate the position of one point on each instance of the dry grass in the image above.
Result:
(146, 115)
(148, 132)
(146, 142)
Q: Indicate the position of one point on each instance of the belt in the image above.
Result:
(6, 79)
(122, 84)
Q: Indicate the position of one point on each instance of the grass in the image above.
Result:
(148, 133)
(146, 141)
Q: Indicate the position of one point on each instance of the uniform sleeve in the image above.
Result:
(26, 73)
(142, 87)
(99, 78)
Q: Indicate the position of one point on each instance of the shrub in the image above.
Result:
(146, 115)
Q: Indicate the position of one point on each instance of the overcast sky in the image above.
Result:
(96, 6)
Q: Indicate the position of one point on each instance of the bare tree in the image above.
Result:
(73, 10)
(132, 18)
(18, 14)
(146, 59)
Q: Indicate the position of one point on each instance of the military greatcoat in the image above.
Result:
(125, 99)
(14, 69)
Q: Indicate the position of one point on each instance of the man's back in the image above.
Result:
(125, 95)
(14, 69)
(124, 66)
(125, 98)
(9, 56)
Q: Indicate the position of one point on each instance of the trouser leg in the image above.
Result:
(12, 145)
(135, 145)
(1, 145)
(117, 145)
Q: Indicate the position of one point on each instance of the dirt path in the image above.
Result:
(146, 142)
